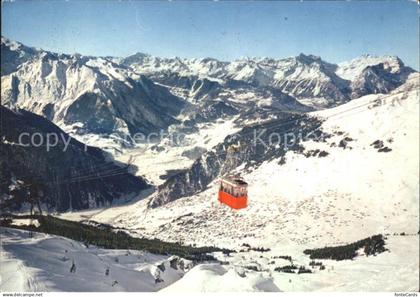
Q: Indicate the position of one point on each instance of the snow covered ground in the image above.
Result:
(218, 278)
(390, 271)
(43, 263)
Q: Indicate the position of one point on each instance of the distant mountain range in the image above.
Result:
(114, 98)
(142, 93)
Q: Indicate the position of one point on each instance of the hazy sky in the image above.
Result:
(336, 31)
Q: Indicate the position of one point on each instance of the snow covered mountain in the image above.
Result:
(351, 69)
(360, 179)
(303, 77)
(364, 171)
(357, 172)
(118, 97)
(391, 143)
(85, 94)
(218, 161)
(70, 174)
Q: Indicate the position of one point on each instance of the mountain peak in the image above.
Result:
(13, 45)
(307, 59)
(136, 58)
(350, 69)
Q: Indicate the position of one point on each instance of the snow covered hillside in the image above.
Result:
(44, 263)
(365, 183)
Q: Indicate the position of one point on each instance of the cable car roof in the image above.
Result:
(234, 180)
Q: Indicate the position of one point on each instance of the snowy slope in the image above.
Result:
(348, 187)
(43, 263)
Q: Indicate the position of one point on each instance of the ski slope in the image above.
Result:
(43, 263)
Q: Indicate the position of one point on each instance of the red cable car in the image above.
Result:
(233, 192)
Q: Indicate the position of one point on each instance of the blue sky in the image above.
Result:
(336, 31)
